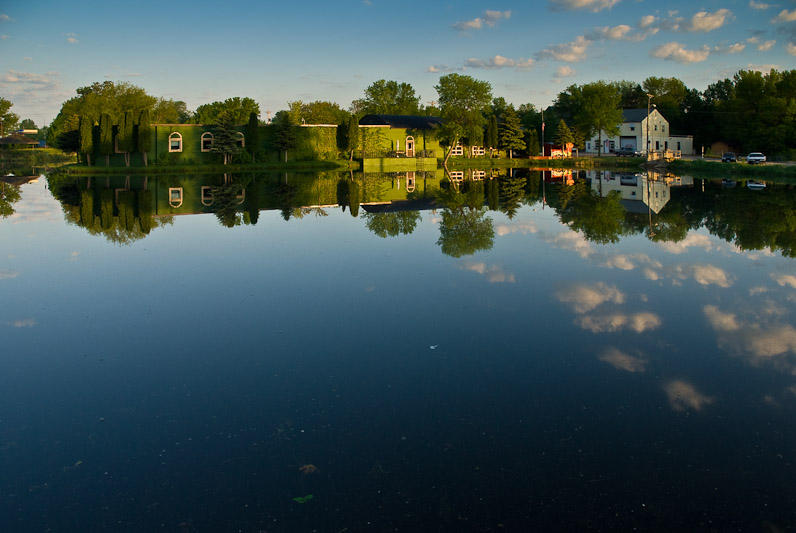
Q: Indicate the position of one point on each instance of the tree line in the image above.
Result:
(749, 111)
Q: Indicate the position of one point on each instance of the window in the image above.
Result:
(663, 127)
(588, 146)
(175, 142)
(632, 128)
(657, 145)
(656, 127)
(457, 150)
(240, 140)
(175, 194)
(678, 145)
(207, 141)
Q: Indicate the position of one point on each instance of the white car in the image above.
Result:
(755, 157)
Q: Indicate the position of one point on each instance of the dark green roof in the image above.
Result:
(411, 122)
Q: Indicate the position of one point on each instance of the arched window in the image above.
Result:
(240, 139)
(175, 195)
(207, 141)
(207, 196)
(410, 181)
(175, 142)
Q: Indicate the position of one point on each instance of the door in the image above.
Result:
(410, 147)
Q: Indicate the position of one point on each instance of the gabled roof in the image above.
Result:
(412, 122)
(637, 115)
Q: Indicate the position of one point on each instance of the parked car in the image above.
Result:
(728, 157)
(755, 185)
(627, 152)
(755, 157)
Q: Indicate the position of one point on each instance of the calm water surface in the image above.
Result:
(506, 352)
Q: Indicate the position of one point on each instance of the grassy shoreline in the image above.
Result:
(84, 170)
(729, 170)
(573, 162)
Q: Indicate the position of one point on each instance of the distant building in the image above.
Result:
(633, 135)
(404, 135)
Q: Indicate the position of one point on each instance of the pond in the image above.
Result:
(507, 350)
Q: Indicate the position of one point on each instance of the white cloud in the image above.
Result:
(583, 298)
(571, 240)
(4, 18)
(785, 280)
(622, 361)
(3, 37)
(785, 16)
(629, 261)
(704, 274)
(647, 21)
(719, 320)
(615, 33)
(570, 52)
(791, 48)
(652, 275)
(565, 71)
(692, 240)
(498, 62)
(8, 274)
(736, 48)
(766, 46)
(684, 396)
(71, 38)
(758, 5)
(443, 68)
(609, 323)
(493, 273)
(23, 323)
(705, 21)
(754, 291)
(675, 51)
(590, 5)
(489, 19)
(524, 229)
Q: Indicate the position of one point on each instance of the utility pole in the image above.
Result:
(542, 132)
(649, 98)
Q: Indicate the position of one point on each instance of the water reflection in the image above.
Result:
(600, 206)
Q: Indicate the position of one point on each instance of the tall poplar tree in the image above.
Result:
(86, 129)
(106, 138)
(144, 134)
(125, 136)
(253, 135)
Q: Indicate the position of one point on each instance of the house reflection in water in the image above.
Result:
(641, 192)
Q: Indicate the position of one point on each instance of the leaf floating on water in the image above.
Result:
(303, 499)
(433, 347)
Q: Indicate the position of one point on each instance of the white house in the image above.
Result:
(633, 135)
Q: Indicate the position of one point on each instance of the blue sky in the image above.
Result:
(275, 52)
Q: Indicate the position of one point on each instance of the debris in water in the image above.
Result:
(433, 347)
(302, 499)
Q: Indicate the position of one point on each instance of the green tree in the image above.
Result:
(594, 109)
(285, 136)
(563, 134)
(384, 97)
(353, 197)
(392, 224)
(348, 136)
(27, 124)
(125, 138)
(106, 137)
(464, 231)
(237, 109)
(631, 95)
(167, 111)
(491, 133)
(144, 134)
(86, 138)
(318, 112)
(9, 194)
(462, 100)
(532, 141)
(511, 136)
(8, 120)
(226, 139)
(253, 135)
